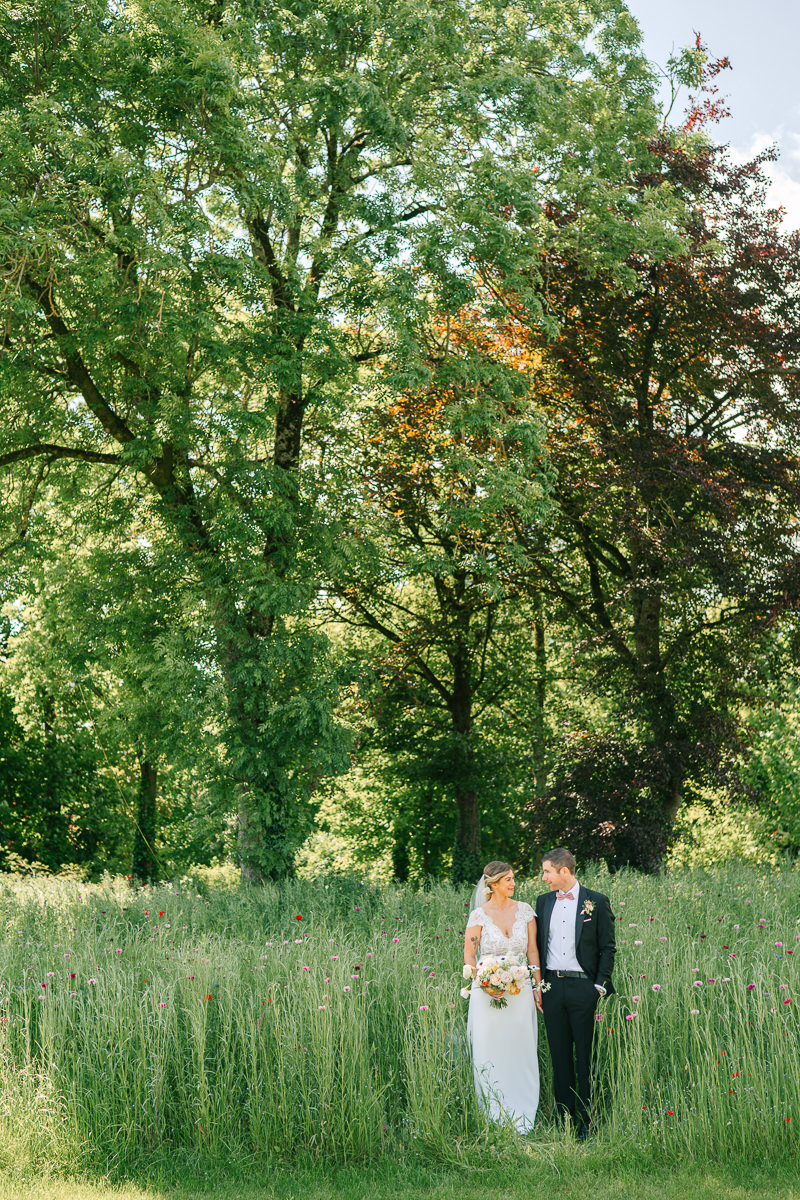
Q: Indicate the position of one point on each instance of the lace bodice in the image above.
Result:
(493, 940)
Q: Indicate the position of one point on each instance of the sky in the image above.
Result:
(762, 41)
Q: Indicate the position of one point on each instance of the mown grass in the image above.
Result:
(318, 1026)
(570, 1176)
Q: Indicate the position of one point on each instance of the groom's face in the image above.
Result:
(554, 878)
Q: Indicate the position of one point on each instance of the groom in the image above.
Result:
(575, 935)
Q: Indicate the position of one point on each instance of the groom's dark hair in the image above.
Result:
(560, 858)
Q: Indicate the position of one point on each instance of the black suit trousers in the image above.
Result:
(569, 1018)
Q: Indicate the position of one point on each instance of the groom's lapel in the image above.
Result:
(547, 912)
(579, 915)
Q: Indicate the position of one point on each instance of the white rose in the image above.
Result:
(506, 977)
(465, 993)
(467, 971)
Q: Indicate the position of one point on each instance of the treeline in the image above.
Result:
(400, 420)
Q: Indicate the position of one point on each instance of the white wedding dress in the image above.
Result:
(504, 1041)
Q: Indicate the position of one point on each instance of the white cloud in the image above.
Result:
(784, 175)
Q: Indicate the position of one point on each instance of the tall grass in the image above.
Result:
(322, 1019)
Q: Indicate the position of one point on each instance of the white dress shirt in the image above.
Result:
(561, 939)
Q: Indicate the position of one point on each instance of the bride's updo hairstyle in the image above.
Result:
(493, 872)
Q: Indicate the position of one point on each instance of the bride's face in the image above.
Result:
(504, 888)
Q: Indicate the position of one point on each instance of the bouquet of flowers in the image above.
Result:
(500, 975)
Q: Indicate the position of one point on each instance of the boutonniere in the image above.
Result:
(588, 908)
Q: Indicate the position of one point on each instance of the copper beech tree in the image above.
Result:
(672, 404)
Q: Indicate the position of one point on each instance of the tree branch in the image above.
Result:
(12, 456)
(77, 370)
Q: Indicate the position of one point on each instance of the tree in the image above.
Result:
(672, 403)
(438, 477)
(208, 220)
(109, 661)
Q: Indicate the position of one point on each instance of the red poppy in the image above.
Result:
(299, 917)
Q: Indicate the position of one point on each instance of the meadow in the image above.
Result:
(318, 1026)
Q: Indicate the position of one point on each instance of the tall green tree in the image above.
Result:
(209, 216)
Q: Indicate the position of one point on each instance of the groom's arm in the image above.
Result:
(606, 941)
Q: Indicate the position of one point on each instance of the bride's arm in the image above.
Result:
(533, 960)
(472, 941)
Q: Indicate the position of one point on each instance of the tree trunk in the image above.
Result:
(145, 865)
(467, 843)
(657, 700)
(264, 839)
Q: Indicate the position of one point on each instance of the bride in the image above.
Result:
(504, 1056)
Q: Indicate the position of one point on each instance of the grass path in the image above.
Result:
(576, 1174)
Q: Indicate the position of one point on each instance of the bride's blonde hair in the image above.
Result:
(492, 873)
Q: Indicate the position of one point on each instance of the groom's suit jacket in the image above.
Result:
(595, 944)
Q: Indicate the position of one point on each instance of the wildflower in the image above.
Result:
(162, 1004)
(630, 1016)
(423, 1008)
(92, 981)
(694, 1012)
(637, 943)
(50, 975)
(161, 913)
(346, 989)
(787, 1001)
(209, 996)
(697, 983)
(299, 917)
(636, 999)
(656, 987)
(395, 939)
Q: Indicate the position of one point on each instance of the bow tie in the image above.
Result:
(564, 896)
